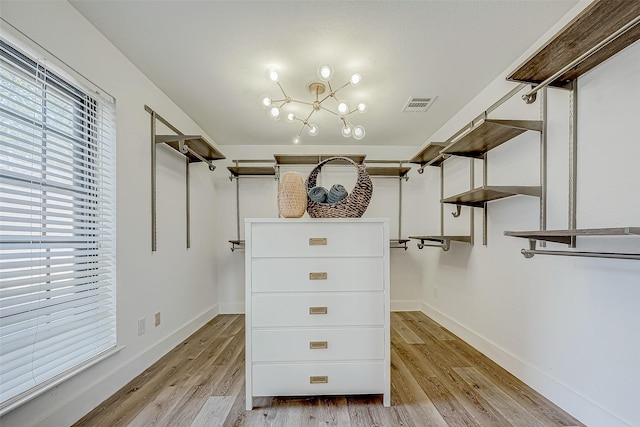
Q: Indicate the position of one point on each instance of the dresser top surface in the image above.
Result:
(314, 220)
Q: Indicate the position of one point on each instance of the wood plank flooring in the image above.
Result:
(436, 380)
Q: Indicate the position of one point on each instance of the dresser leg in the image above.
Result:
(386, 400)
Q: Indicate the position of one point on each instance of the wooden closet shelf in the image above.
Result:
(252, 170)
(196, 142)
(442, 242)
(478, 196)
(312, 159)
(429, 154)
(593, 25)
(396, 171)
(565, 236)
(464, 239)
(487, 135)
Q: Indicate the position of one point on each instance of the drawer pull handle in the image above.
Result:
(318, 345)
(318, 379)
(318, 276)
(317, 241)
(317, 310)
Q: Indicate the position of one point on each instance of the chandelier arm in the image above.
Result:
(325, 98)
(282, 90)
(342, 87)
(305, 121)
(302, 102)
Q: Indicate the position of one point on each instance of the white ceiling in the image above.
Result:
(211, 57)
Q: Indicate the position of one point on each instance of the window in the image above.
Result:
(57, 226)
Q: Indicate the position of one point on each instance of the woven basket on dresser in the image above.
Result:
(353, 206)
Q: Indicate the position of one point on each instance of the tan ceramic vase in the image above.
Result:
(292, 195)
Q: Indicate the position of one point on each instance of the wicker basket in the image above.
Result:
(353, 206)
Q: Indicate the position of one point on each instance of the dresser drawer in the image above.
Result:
(309, 379)
(317, 274)
(293, 239)
(317, 344)
(318, 309)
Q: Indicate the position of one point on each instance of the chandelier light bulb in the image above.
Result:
(313, 129)
(346, 131)
(265, 101)
(273, 75)
(362, 107)
(358, 132)
(291, 117)
(343, 108)
(297, 139)
(355, 79)
(274, 113)
(325, 72)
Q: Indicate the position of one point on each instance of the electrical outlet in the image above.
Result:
(157, 323)
(142, 326)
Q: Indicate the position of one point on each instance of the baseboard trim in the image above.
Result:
(579, 406)
(232, 307)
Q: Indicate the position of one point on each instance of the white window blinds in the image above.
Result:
(57, 225)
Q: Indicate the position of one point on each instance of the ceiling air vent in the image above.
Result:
(418, 104)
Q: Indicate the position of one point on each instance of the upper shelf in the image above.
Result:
(593, 25)
(478, 196)
(312, 159)
(565, 236)
(487, 135)
(429, 155)
(196, 142)
(395, 171)
(251, 170)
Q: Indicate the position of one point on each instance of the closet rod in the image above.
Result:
(529, 253)
(530, 96)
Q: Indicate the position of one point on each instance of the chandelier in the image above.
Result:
(317, 89)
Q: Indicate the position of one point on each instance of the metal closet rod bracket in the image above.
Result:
(185, 149)
(456, 214)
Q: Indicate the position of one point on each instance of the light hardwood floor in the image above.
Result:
(436, 380)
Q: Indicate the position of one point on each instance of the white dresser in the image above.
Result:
(317, 307)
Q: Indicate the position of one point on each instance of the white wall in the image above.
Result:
(258, 198)
(569, 327)
(177, 282)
